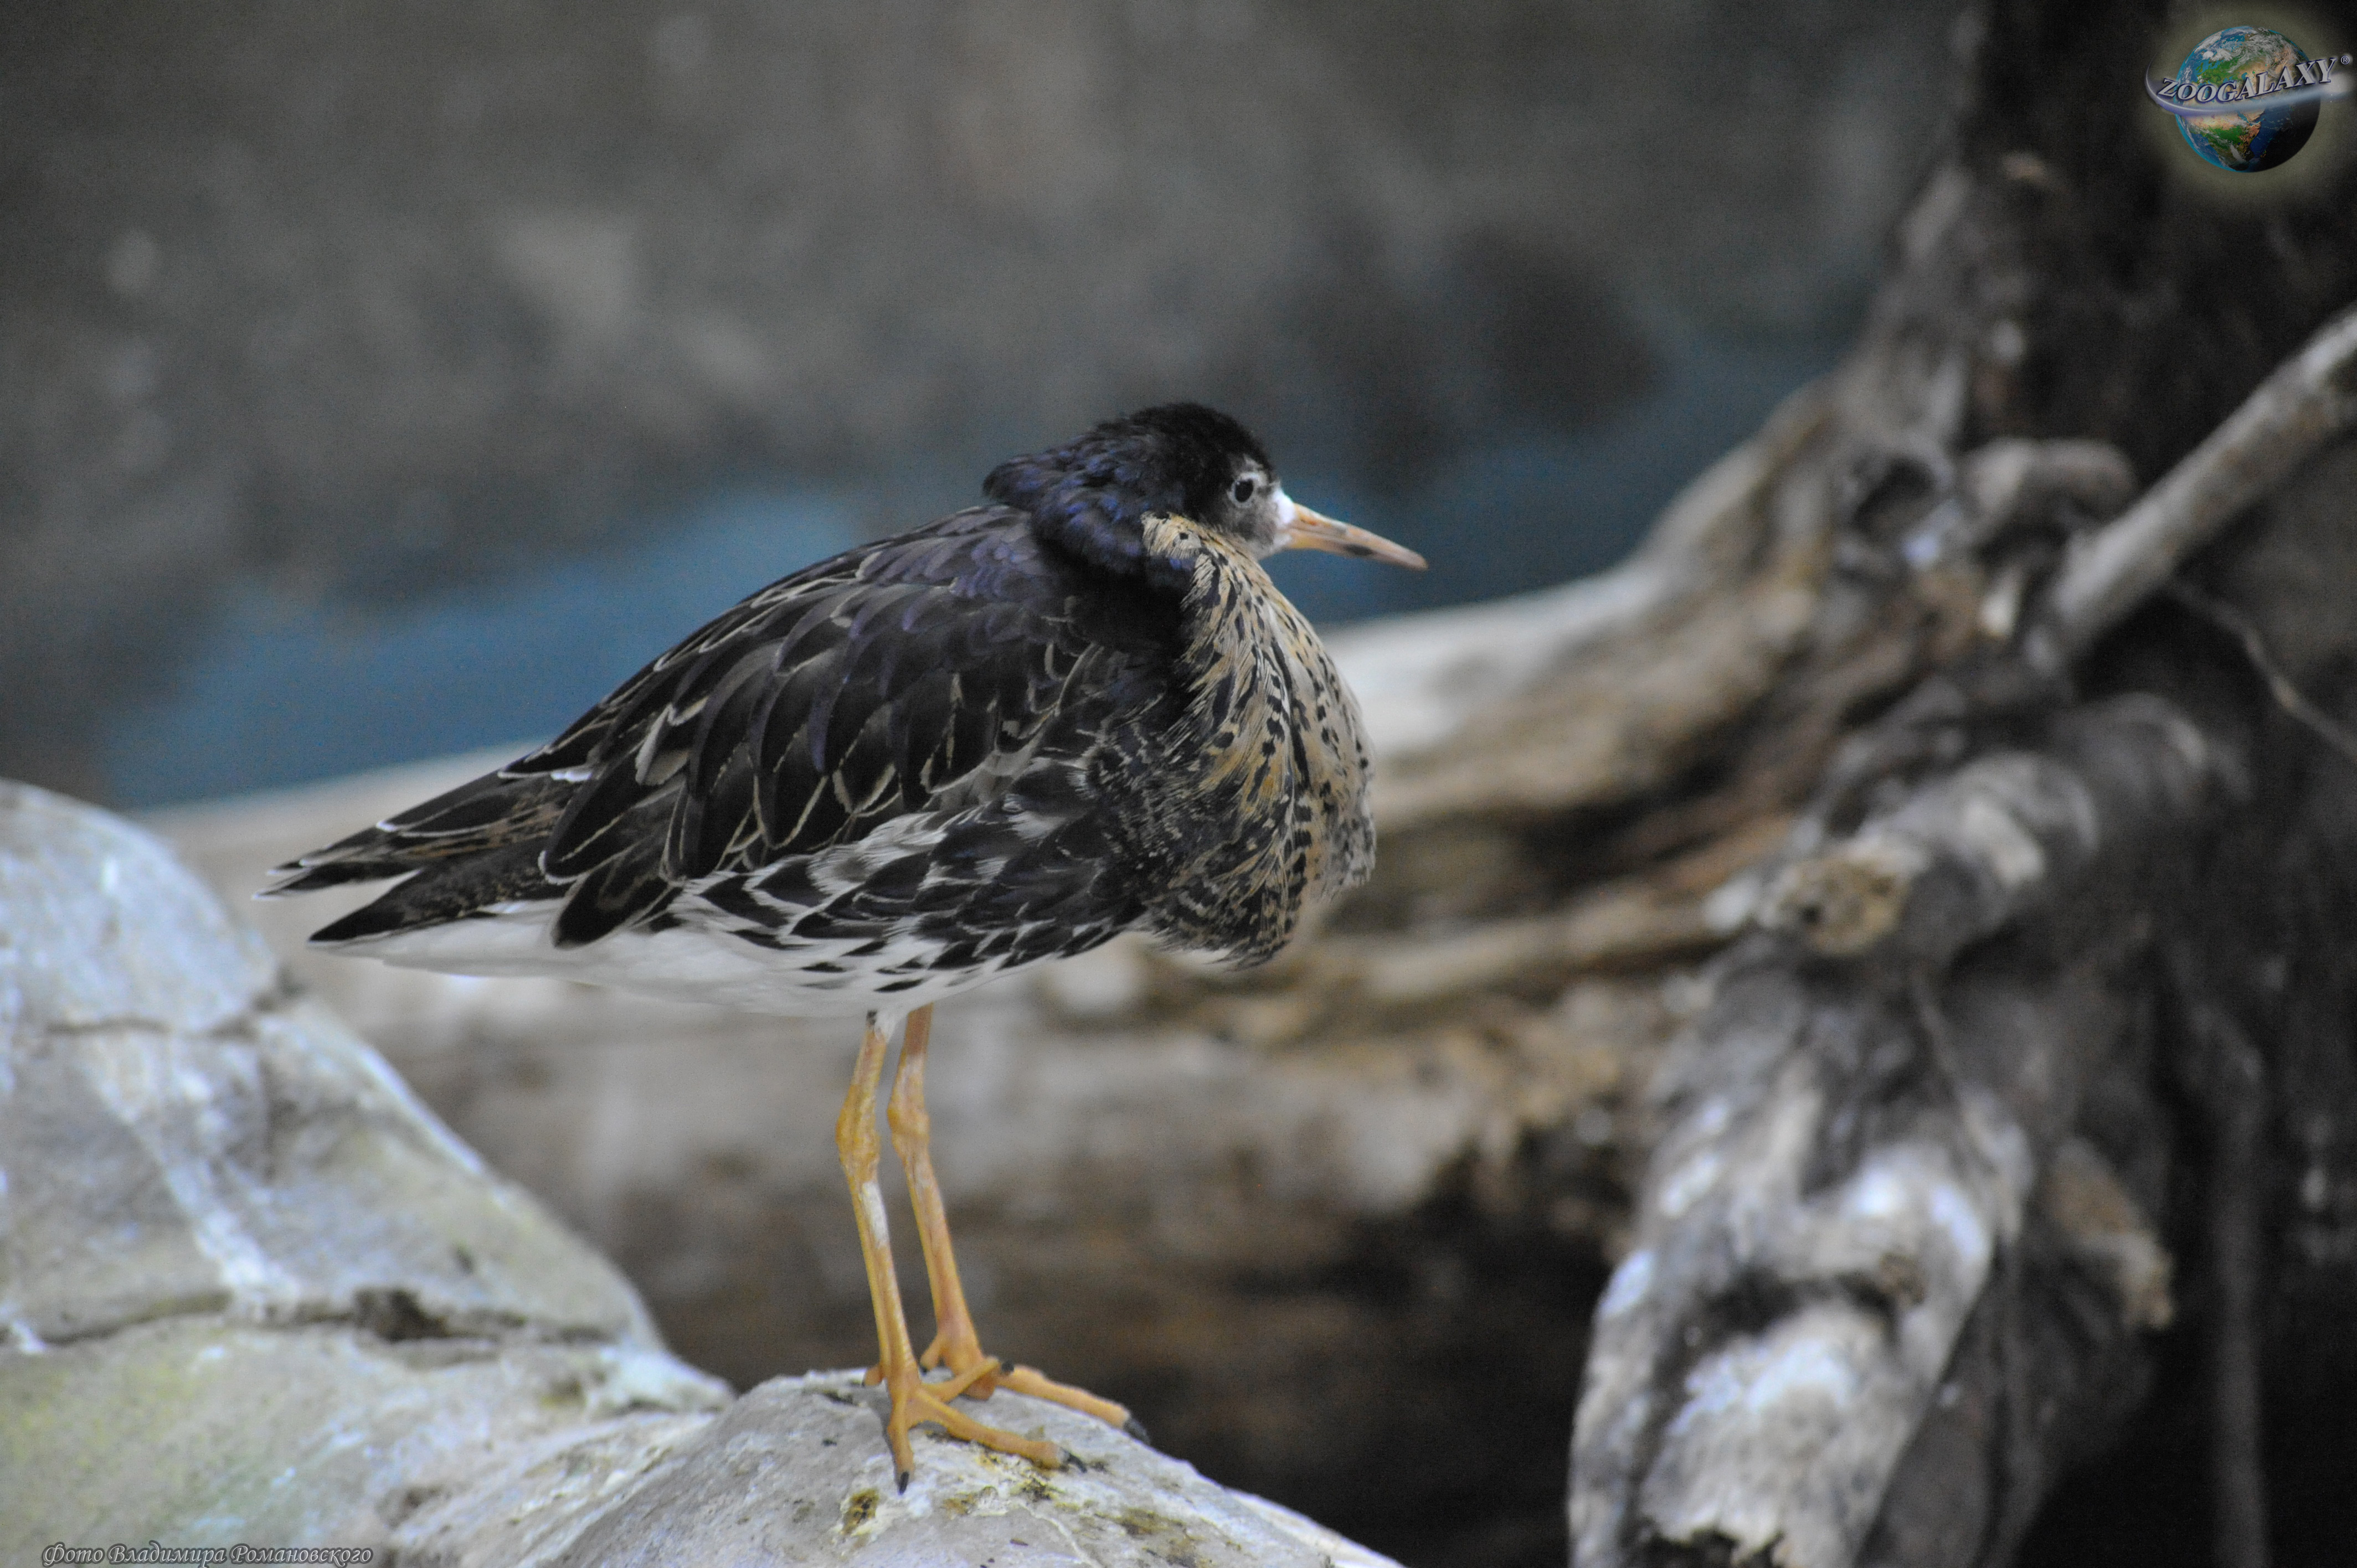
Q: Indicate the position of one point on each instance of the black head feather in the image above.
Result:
(1092, 496)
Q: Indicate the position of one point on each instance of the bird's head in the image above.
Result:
(1183, 460)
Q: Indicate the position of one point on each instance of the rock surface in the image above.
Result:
(253, 1291)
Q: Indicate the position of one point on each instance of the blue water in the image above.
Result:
(280, 690)
(1525, 513)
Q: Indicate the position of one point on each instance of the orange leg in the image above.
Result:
(955, 1343)
(914, 1400)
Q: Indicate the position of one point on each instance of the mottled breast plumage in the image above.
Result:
(1270, 736)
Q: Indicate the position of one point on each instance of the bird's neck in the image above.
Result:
(1101, 526)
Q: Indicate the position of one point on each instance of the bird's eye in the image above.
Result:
(1243, 488)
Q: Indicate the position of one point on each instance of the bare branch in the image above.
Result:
(2280, 685)
(2307, 402)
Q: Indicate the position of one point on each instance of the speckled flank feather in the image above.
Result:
(996, 740)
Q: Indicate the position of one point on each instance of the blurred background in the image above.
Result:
(379, 382)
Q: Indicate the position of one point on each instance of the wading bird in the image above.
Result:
(1077, 710)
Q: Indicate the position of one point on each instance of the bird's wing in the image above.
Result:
(909, 676)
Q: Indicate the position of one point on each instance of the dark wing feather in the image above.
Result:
(451, 890)
(478, 816)
(900, 677)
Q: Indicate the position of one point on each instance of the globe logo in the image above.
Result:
(2246, 98)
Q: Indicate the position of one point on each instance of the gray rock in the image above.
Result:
(202, 1429)
(796, 1472)
(253, 1292)
(180, 1133)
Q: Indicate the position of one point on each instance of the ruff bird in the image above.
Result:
(1079, 709)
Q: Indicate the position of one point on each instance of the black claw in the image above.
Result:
(1136, 1429)
(901, 1479)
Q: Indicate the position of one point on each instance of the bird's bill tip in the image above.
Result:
(1309, 529)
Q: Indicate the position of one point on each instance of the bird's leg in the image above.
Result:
(955, 1343)
(914, 1401)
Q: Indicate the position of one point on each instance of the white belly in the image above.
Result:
(685, 965)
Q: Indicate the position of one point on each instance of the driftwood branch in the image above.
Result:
(2308, 404)
(1975, 850)
(1907, 1228)
(1868, 1243)
(1847, 1157)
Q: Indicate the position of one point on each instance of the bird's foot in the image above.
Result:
(916, 1403)
(988, 1374)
